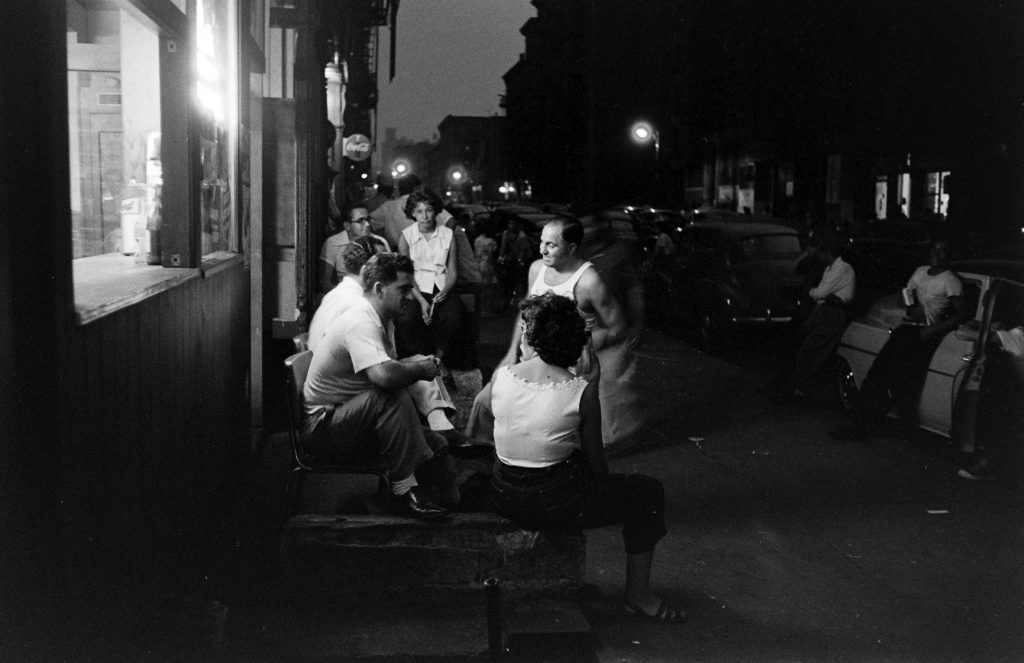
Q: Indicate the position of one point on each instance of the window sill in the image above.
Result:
(108, 283)
(219, 261)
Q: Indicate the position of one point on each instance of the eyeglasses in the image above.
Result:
(362, 219)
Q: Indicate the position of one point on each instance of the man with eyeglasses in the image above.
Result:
(356, 224)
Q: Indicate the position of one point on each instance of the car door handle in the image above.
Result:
(968, 357)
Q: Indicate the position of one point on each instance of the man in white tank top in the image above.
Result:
(562, 271)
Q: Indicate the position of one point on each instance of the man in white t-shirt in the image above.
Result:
(431, 397)
(562, 271)
(356, 394)
(900, 367)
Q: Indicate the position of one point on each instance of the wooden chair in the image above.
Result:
(296, 368)
(301, 342)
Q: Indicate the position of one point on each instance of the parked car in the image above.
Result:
(885, 254)
(531, 219)
(994, 290)
(732, 274)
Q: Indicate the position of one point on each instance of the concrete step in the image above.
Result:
(335, 552)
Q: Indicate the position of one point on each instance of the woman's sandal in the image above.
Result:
(663, 614)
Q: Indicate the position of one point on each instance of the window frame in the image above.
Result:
(108, 283)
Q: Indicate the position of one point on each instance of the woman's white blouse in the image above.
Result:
(535, 425)
(429, 256)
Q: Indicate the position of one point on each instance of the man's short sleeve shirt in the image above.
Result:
(934, 292)
(355, 341)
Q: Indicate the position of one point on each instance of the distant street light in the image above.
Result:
(643, 133)
(400, 168)
(457, 175)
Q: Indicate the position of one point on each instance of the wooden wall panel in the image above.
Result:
(156, 397)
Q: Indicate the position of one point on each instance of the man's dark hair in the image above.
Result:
(421, 196)
(353, 206)
(572, 229)
(407, 183)
(384, 268)
(356, 253)
(554, 328)
(831, 244)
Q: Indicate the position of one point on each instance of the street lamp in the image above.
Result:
(643, 132)
(457, 175)
(400, 168)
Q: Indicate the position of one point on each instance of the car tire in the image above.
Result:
(847, 385)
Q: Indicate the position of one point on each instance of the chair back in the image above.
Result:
(301, 342)
(296, 368)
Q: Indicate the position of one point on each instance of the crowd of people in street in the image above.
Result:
(395, 282)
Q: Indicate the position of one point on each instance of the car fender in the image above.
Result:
(859, 345)
(713, 295)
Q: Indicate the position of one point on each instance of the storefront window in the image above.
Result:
(114, 130)
(216, 69)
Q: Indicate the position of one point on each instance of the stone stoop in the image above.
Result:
(343, 553)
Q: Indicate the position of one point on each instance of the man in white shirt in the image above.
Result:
(824, 326)
(899, 370)
(431, 397)
(356, 394)
(331, 264)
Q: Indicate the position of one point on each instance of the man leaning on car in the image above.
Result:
(935, 306)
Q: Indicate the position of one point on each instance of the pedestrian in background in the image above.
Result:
(485, 250)
(824, 326)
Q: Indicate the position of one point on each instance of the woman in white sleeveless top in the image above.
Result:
(430, 245)
(551, 471)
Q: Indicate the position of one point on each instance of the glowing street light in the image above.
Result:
(457, 175)
(642, 133)
(401, 167)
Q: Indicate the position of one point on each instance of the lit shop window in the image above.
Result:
(215, 67)
(937, 198)
(114, 131)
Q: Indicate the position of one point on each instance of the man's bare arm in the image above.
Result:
(959, 315)
(592, 294)
(395, 374)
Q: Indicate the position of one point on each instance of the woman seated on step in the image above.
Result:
(551, 471)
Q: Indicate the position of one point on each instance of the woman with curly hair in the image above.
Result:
(551, 471)
(434, 253)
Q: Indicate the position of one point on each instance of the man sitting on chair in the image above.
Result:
(430, 396)
(357, 399)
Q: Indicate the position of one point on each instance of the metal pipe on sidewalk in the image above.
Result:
(495, 629)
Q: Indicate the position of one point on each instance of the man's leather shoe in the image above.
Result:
(415, 505)
(462, 446)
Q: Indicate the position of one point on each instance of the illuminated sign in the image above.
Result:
(357, 147)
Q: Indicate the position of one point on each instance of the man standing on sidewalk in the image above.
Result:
(562, 271)
(824, 326)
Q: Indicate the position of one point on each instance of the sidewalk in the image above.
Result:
(782, 544)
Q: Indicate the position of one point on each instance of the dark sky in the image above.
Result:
(451, 56)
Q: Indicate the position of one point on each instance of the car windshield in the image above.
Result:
(770, 247)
